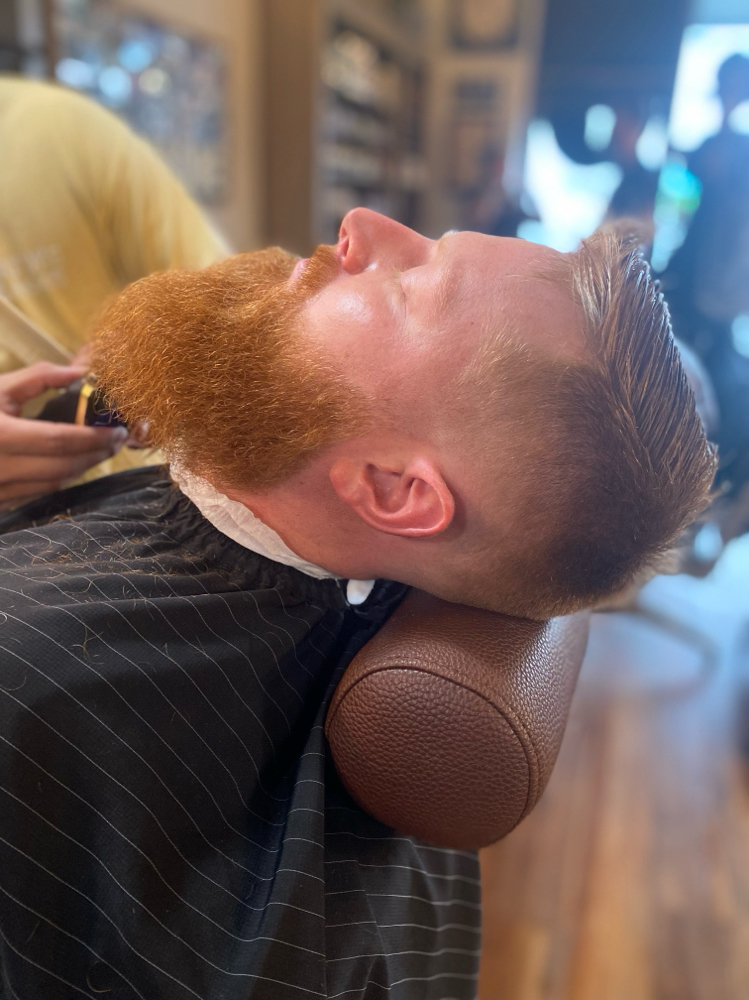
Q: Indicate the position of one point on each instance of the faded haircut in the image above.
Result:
(616, 462)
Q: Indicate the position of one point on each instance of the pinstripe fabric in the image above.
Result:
(170, 826)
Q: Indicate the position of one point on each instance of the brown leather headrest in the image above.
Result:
(446, 725)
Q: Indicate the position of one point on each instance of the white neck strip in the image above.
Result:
(237, 522)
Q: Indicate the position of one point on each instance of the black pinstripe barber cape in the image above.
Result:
(170, 825)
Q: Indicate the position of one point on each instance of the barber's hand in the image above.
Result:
(37, 456)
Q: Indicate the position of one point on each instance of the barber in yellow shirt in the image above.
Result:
(86, 207)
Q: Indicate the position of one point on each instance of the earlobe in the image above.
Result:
(413, 501)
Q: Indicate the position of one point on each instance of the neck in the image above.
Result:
(321, 528)
(316, 525)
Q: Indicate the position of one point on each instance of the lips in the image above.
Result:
(299, 268)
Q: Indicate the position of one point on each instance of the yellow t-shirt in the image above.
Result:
(86, 207)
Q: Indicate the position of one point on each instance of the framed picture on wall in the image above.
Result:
(407, 12)
(170, 87)
(475, 134)
(484, 25)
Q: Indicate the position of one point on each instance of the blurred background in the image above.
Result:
(541, 119)
(280, 115)
(529, 117)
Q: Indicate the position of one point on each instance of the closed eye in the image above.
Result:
(397, 293)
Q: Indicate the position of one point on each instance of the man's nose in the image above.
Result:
(368, 238)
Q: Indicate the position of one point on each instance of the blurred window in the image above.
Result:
(652, 146)
(738, 120)
(571, 198)
(740, 334)
(696, 114)
(675, 203)
(695, 110)
(600, 120)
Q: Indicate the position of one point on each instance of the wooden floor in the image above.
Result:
(630, 881)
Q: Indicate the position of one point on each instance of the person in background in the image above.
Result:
(634, 198)
(707, 283)
(86, 207)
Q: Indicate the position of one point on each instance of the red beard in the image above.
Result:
(213, 363)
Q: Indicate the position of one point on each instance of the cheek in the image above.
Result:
(353, 307)
(356, 331)
(342, 319)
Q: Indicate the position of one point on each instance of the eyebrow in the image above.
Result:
(447, 278)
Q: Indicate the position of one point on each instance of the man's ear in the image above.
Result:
(413, 500)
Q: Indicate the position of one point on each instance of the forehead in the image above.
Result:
(388, 327)
(491, 280)
(508, 253)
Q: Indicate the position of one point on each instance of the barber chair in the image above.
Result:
(447, 724)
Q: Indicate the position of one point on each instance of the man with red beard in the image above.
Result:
(494, 422)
